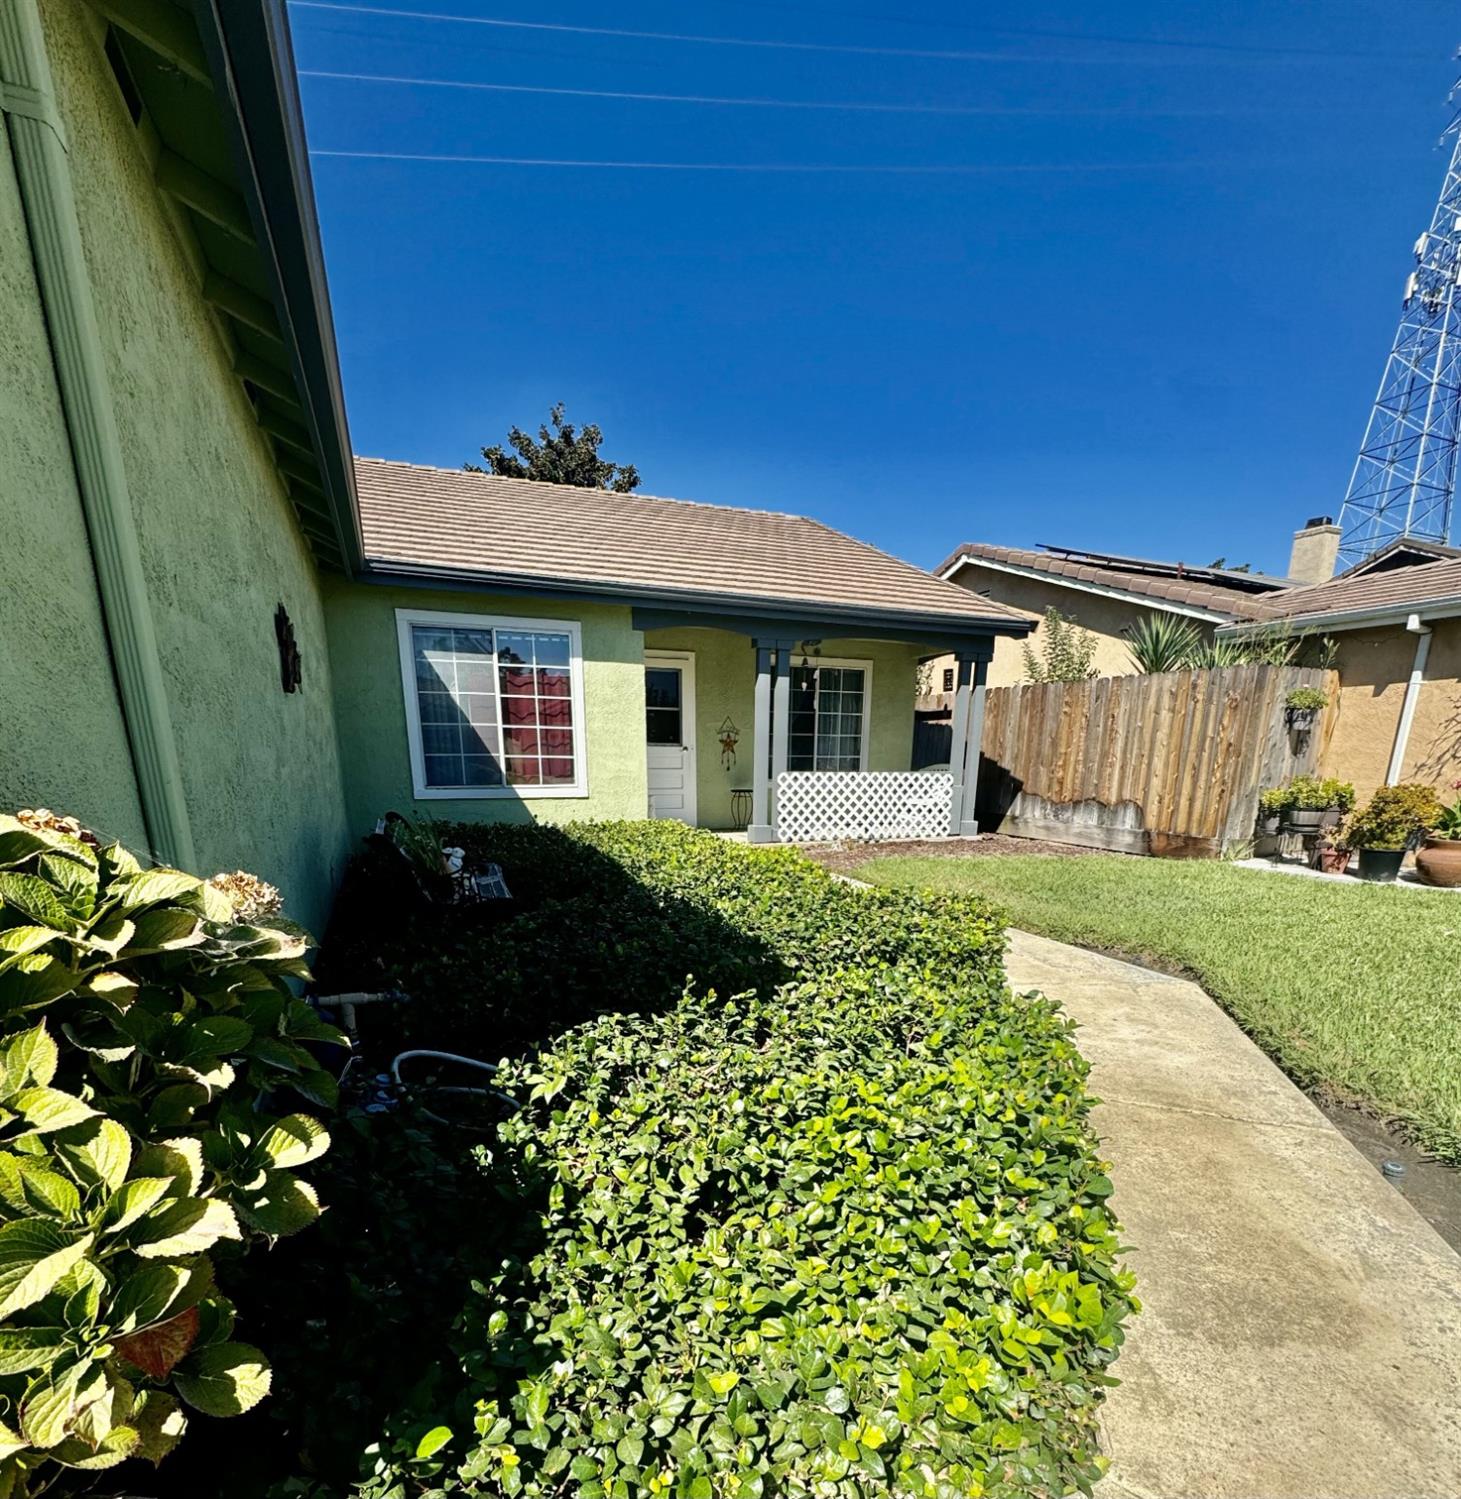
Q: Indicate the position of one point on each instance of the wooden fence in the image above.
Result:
(1167, 764)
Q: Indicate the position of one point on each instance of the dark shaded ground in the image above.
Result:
(1431, 1187)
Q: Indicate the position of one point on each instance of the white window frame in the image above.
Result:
(406, 620)
(866, 668)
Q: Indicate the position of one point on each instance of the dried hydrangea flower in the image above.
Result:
(43, 820)
(252, 897)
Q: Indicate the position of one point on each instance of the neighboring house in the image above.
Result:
(1105, 594)
(217, 651)
(1395, 621)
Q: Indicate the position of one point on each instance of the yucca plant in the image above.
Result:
(1162, 642)
(141, 1023)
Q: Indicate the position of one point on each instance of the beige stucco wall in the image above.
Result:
(1106, 618)
(1374, 667)
(219, 542)
(725, 682)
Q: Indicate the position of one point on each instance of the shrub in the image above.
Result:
(1306, 700)
(1067, 652)
(1310, 794)
(1163, 642)
(141, 1020)
(1395, 817)
(845, 1233)
(1274, 801)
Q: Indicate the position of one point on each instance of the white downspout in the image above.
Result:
(1412, 692)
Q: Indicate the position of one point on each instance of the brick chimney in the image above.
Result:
(1315, 551)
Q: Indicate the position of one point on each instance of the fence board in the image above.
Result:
(1168, 764)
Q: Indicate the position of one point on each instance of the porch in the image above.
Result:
(800, 728)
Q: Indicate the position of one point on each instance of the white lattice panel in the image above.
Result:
(818, 806)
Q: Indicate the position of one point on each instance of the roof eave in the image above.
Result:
(1104, 590)
(252, 63)
(1351, 619)
(697, 602)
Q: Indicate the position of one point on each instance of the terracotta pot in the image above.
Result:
(1381, 864)
(1334, 860)
(1439, 862)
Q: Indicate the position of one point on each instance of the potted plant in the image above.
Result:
(1302, 706)
(1340, 798)
(1314, 804)
(1334, 851)
(1393, 819)
(1438, 861)
(1272, 804)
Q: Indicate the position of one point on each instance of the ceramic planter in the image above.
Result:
(1439, 862)
(1381, 864)
(1268, 825)
(1306, 820)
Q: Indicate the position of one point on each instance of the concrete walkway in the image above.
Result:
(1301, 1331)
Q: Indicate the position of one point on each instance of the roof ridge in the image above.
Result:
(658, 499)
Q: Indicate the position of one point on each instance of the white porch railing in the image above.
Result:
(819, 806)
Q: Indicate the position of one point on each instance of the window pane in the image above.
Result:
(514, 646)
(443, 770)
(482, 694)
(662, 726)
(662, 687)
(482, 770)
(551, 650)
(523, 770)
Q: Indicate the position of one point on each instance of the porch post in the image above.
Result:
(975, 738)
(960, 727)
(968, 732)
(760, 829)
(780, 725)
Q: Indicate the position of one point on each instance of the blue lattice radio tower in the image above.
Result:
(1404, 481)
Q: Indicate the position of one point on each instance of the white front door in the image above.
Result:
(669, 711)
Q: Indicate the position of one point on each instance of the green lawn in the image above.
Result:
(1355, 990)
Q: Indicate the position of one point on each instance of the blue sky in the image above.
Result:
(1151, 319)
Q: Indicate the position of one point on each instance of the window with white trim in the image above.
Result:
(829, 716)
(494, 706)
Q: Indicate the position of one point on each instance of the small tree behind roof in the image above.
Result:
(566, 455)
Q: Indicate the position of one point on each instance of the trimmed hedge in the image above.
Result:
(845, 1234)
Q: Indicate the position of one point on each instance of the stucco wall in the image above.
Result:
(1105, 618)
(64, 743)
(725, 683)
(371, 711)
(219, 543)
(1374, 666)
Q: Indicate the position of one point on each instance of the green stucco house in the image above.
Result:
(229, 643)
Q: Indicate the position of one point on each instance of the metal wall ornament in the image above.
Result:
(290, 676)
(729, 736)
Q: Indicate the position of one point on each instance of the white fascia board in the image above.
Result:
(1145, 600)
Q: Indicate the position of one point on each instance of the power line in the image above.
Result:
(1100, 38)
(862, 51)
(672, 36)
(815, 104)
(832, 168)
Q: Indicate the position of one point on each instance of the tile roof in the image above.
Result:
(519, 531)
(1400, 588)
(1230, 601)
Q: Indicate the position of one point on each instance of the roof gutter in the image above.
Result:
(1352, 619)
(696, 601)
(27, 97)
(1146, 600)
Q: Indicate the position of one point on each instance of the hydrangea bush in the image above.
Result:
(140, 1019)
